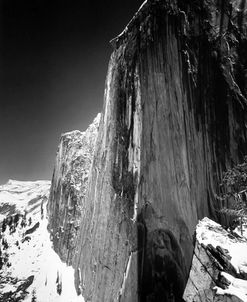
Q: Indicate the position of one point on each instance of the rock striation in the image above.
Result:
(69, 186)
(174, 118)
(219, 271)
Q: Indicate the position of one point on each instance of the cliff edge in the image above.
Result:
(68, 188)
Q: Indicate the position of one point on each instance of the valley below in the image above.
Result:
(30, 270)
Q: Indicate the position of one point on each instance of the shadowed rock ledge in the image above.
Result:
(174, 118)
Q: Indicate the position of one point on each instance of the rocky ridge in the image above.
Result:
(69, 187)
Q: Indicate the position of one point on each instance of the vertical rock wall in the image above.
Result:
(68, 188)
(173, 120)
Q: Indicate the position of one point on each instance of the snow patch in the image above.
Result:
(237, 287)
(210, 232)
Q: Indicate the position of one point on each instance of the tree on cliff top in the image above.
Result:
(234, 184)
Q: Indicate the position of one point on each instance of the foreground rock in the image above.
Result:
(219, 266)
(69, 187)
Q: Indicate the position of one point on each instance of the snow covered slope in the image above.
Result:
(219, 266)
(30, 270)
(18, 196)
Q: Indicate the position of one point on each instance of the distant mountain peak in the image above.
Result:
(30, 269)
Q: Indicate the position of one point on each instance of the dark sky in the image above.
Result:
(53, 63)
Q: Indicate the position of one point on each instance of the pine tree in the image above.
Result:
(34, 297)
(59, 284)
(234, 185)
(4, 225)
(42, 210)
(16, 219)
(1, 259)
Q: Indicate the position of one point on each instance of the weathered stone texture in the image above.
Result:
(69, 187)
(173, 119)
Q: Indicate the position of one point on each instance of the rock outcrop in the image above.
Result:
(174, 118)
(219, 265)
(69, 186)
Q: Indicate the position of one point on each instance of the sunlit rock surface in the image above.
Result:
(219, 265)
(69, 186)
(174, 118)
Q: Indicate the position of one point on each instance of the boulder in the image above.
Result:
(219, 265)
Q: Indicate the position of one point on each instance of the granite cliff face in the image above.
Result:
(69, 186)
(173, 119)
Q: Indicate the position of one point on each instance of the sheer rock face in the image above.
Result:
(173, 120)
(69, 186)
(218, 271)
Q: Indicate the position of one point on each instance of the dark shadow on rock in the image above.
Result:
(161, 268)
(32, 229)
